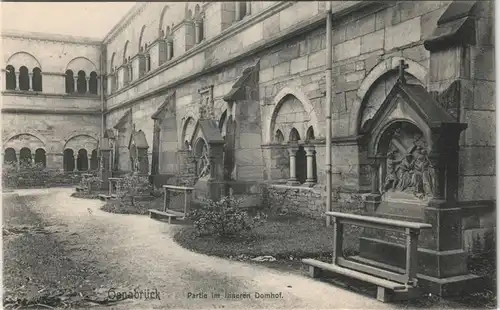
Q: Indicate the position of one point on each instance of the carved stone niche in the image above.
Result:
(207, 149)
(413, 144)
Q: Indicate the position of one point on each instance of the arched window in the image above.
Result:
(94, 161)
(68, 160)
(37, 79)
(25, 156)
(301, 165)
(93, 83)
(148, 62)
(70, 82)
(279, 136)
(24, 78)
(40, 157)
(82, 161)
(10, 78)
(10, 156)
(81, 82)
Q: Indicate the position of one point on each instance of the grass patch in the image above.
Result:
(140, 207)
(281, 236)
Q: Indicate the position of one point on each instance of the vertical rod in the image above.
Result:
(328, 103)
(101, 87)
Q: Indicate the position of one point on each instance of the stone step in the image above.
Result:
(106, 197)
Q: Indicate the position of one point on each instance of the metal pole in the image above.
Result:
(328, 103)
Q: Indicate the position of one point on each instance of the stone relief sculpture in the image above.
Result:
(413, 173)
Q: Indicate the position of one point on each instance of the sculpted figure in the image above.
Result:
(405, 172)
(391, 179)
(428, 175)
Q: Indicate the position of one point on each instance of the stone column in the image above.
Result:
(75, 79)
(237, 11)
(375, 176)
(17, 81)
(170, 48)
(292, 151)
(18, 161)
(30, 81)
(197, 31)
(87, 80)
(76, 161)
(99, 79)
(248, 7)
(310, 181)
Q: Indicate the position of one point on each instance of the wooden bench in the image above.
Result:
(169, 215)
(167, 212)
(399, 285)
(106, 197)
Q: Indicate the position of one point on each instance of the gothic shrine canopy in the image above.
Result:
(409, 103)
(138, 138)
(208, 130)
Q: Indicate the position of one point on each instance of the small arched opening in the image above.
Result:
(70, 82)
(68, 160)
(94, 160)
(82, 161)
(81, 82)
(10, 156)
(24, 78)
(37, 79)
(301, 165)
(93, 83)
(10, 78)
(40, 157)
(278, 137)
(25, 157)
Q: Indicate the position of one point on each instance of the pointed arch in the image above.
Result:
(141, 36)
(294, 136)
(278, 136)
(310, 134)
(188, 131)
(162, 16)
(125, 52)
(112, 63)
(390, 64)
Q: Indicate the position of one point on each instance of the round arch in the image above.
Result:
(22, 58)
(189, 123)
(162, 16)
(414, 68)
(278, 101)
(141, 36)
(42, 141)
(81, 63)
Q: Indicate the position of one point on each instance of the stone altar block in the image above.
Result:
(413, 144)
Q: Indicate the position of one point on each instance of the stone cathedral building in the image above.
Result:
(235, 91)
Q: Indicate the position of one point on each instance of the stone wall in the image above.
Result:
(293, 199)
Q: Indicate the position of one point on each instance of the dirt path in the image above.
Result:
(130, 251)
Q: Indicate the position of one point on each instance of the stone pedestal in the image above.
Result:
(105, 164)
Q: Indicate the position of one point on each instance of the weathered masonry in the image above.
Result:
(230, 97)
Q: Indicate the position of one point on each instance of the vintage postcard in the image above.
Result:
(249, 155)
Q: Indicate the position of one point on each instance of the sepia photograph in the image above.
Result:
(248, 155)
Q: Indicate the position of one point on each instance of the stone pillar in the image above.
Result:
(170, 47)
(99, 79)
(237, 11)
(87, 80)
(292, 151)
(17, 81)
(197, 31)
(142, 158)
(18, 161)
(76, 161)
(30, 81)
(374, 199)
(310, 181)
(248, 7)
(75, 79)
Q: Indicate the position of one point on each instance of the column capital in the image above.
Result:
(309, 150)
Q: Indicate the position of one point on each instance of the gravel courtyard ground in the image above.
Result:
(56, 245)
